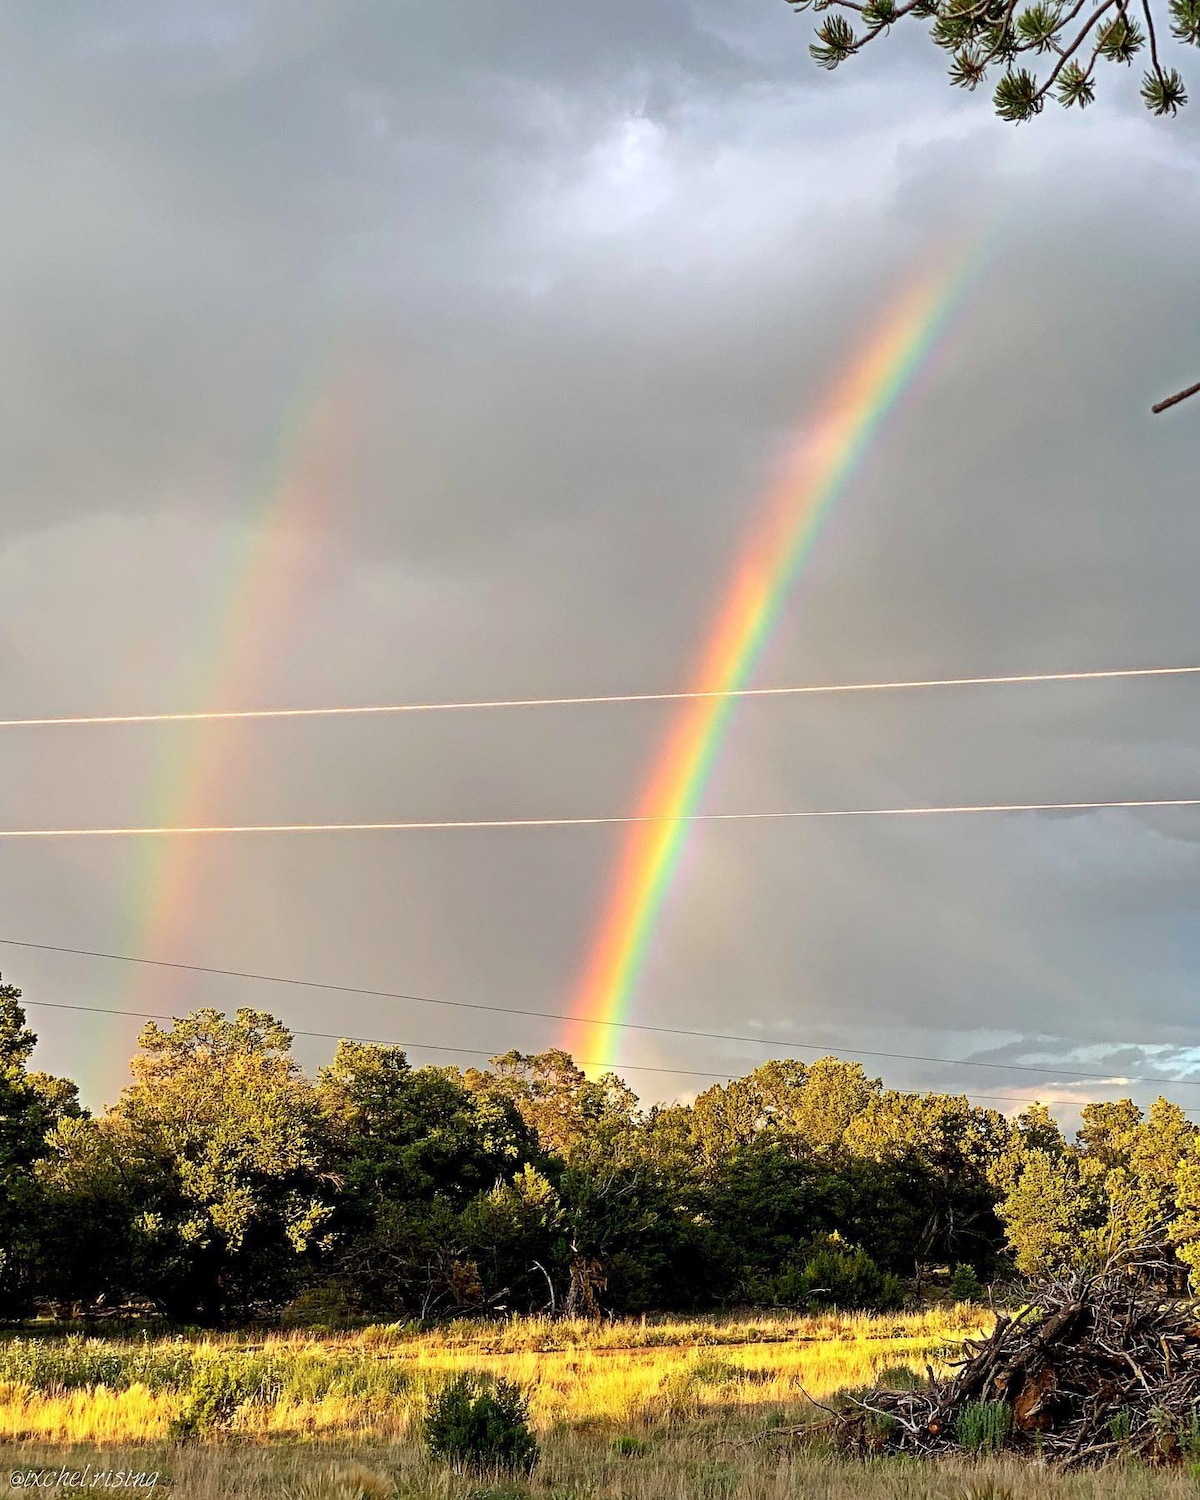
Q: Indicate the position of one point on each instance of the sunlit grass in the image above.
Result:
(662, 1410)
(373, 1383)
(682, 1465)
(542, 1334)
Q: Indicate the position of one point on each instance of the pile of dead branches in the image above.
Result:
(1096, 1367)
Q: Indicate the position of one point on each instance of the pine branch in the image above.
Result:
(1186, 21)
(980, 33)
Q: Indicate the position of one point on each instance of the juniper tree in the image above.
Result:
(1040, 49)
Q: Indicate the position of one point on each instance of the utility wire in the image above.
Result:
(479, 1052)
(451, 824)
(580, 700)
(341, 1036)
(507, 1010)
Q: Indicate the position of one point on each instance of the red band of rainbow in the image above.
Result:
(785, 532)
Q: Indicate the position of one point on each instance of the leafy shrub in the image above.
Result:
(965, 1286)
(983, 1426)
(834, 1274)
(220, 1388)
(475, 1424)
(1189, 1437)
(314, 1376)
(71, 1364)
(76, 1363)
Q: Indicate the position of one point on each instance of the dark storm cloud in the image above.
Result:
(564, 281)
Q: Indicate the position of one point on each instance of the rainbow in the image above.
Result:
(815, 473)
(260, 577)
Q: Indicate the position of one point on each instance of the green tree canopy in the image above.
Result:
(811, 1105)
(31, 1105)
(242, 1194)
(413, 1150)
(571, 1114)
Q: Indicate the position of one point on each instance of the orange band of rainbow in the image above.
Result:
(815, 474)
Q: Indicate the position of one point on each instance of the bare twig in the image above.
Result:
(1192, 390)
(1092, 1367)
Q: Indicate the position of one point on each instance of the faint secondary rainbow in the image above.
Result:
(817, 469)
(260, 577)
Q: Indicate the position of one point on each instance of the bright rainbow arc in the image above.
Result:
(815, 474)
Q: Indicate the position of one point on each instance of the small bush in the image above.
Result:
(77, 1363)
(983, 1426)
(833, 1275)
(312, 1376)
(219, 1389)
(630, 1447)
(74, 1363)
(965, 1286)
(475, 1424)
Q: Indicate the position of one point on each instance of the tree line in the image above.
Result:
(225, 1185)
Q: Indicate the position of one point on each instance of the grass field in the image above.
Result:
(697, 1404)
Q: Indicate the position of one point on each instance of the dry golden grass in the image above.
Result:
(577, 1373)
(703, 1398)
(690, 1465)
(541, 1334)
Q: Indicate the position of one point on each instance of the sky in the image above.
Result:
(377, 352)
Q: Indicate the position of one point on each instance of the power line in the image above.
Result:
(720, 1036)
(341, 1036)
(444, 825)
(148, 1015)
(593, 699)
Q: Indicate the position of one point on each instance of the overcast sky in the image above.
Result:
(380, 351)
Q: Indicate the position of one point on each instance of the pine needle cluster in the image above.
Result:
(1039, 49)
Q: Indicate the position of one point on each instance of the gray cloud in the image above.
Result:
(517, 314)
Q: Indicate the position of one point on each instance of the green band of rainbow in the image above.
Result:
(822, 461)
(260, 576)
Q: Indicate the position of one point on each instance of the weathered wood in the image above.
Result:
(1174, 400)
(1092, 1368)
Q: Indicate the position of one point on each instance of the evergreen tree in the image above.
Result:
(31, 1104)
(1041, 49)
